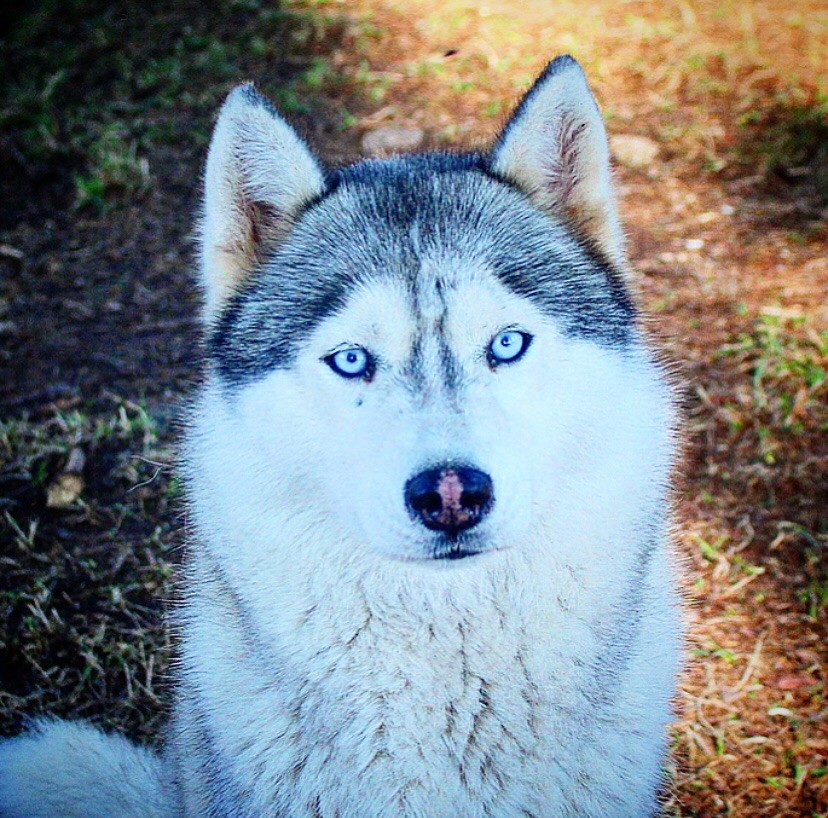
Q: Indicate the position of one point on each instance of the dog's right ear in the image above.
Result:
(259, 175)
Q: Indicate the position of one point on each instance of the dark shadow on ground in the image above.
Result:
(106, 113)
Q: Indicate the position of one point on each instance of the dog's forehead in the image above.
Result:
(430, 225)
(444, 280)
(446, 291)
(438, 224)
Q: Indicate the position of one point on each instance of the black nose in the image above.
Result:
(450, 499)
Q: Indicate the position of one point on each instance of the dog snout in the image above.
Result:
(450, 498)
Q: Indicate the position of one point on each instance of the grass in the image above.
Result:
(786, 361)
(103, 99)
(721, 68)
(734, 88)
(82, 583)
(752, 703)
(114, 168)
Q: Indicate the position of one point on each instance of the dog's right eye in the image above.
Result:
(354, 362)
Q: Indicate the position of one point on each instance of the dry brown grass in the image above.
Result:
(82, 584)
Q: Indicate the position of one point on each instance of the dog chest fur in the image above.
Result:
(492, 697)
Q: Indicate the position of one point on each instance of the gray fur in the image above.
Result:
(378, 220)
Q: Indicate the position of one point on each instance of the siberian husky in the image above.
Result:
(428, 472)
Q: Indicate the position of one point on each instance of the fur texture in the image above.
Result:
(334, 661)
(70, 770)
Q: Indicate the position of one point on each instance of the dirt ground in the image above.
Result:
(105, 112)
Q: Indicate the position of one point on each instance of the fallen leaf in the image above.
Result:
(794, 682)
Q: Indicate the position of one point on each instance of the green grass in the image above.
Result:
(815, 594)
(785, 359)
(81, 583)
(114, 168)
(787, 134)
(120, 85)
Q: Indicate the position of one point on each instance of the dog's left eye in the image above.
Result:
(507, 346)
(354, 362)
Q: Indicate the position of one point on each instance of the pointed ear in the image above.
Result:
(259, 175)
(555, 149)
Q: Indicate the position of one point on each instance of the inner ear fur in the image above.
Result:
(259, 175)
(555, 149)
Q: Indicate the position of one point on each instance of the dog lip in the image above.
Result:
(449, 552)
(458, 547)
(457, 554)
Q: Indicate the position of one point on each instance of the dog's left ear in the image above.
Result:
(259, 176)
(555, 149)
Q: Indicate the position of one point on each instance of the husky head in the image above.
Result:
(428, 355)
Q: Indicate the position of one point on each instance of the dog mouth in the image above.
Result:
(444, 555)
(458, 553)
(459, 547)
(448, 550)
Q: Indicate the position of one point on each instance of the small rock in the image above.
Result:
(633, 151)
(63, 492)
(391, 139)
(694, 244)
(68, 485)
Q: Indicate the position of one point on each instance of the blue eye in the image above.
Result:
(507, 346)
(353, 362)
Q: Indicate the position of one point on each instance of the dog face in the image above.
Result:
(433, 353)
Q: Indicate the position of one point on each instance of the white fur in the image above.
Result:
(376, 679)
(256, 163)
(69, 770)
